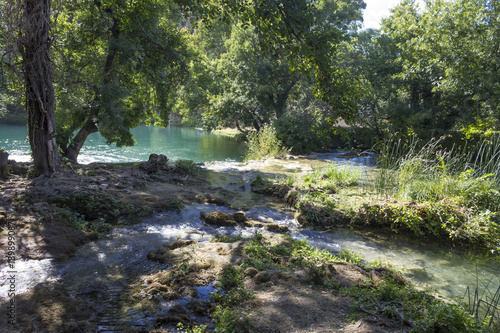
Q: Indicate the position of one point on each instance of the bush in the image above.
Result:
(304, 132)
(186, 167)
(264, 144)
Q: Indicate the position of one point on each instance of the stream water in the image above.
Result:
(106, 267)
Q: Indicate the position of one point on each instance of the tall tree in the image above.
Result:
(35, 45)
(271, 47)
(118, 63)
(253, 87)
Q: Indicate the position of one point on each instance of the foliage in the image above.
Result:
(416, 171)
(186, 167)
(304, 132)
(331, 176)
(117, 64)
(93, 206)
(264, 144)
(430, 70)
(191, 329)
(423, 311)
(95, 213)
(268, 58)
(226, 239)
(231, 321)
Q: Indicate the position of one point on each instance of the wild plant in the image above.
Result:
(264, 144)
(411, 170)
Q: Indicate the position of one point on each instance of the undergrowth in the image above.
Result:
(417, 188)
(264, 144)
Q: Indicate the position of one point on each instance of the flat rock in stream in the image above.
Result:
(239, 218)
(163, 254)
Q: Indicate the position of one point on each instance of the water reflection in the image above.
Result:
(174, 142)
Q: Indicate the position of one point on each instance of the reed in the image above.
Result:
(412, 170)
(485, 307)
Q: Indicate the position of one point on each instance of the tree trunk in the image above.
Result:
(38, 79)
(73, 150)
(4, 166)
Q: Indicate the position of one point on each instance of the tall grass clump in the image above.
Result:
(463, 179)
(332, 177)
(264, 144)
(390, 153)
(411, 170)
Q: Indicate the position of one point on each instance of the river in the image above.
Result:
(96, 264)
(174, 142)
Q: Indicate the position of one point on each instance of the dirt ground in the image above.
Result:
(283, 301)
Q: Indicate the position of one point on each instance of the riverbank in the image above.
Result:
(53, 216)
(466, 216)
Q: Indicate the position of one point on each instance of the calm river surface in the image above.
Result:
(174, 142)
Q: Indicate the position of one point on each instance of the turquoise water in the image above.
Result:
(173, 142)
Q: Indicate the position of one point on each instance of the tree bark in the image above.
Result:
(4, 166)
(39, 90)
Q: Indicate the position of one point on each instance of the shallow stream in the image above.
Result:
(104, 269)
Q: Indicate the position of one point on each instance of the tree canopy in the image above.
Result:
(118, 63)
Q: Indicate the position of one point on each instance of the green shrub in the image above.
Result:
(186, 167)
(330, 177)
(264, 144)
(304, 132)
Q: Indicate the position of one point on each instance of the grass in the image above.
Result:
(417, 188)
(391, 299)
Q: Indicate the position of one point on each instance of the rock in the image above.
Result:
(177, 309)
(276, 227)
(211, 199)
(218, 218)
(156, 288)
(189, 291)
(180, 243)
(251, 272)
(377, 280)
(315, 276)
(103, 186)
(240, 217)
(198, 307)
(330, 270)
(163, 254)
(264, 276)
(155, 163)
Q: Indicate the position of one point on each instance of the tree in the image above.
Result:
(270, 49)
(253, 88)
(118, 63)
(371, 57)
(448, 58)
(37, 69)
